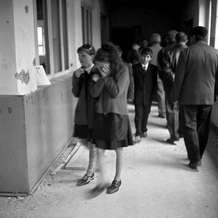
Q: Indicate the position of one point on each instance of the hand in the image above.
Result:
(95, 77)
(104, 70)
(79, 72)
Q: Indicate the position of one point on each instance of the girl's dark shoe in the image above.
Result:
(114, 187)
(86, 179)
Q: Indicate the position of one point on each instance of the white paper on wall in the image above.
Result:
(41, 77)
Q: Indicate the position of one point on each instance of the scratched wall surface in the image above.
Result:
(7, 47)
(13, 160)
(49, 126)
(35, 129)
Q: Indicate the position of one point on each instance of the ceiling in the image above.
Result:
(168, 5)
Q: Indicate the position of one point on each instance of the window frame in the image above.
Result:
(64, 70)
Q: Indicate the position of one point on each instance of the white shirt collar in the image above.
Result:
(88, 69)
(145, 66)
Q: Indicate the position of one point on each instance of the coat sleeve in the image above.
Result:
(96, 87)
(216, 85)
(116, 86)
(77, 85)
(155, 72)
(180, 75)
(130, 94)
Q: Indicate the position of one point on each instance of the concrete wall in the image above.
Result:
(75, 27)
(17, 43)
(36, 128)
(13, 154)
(7, 46)
(24, 39)
(37, 125)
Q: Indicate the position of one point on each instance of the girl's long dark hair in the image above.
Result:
(109, 53)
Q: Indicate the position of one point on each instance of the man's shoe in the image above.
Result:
(194, 165)
(86, 179)
(171, 141)
(137, 139)
(144, 134)
(114, 187)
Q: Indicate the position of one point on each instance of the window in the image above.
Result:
(52, 35)
(87, 24)
(56, 37)
(216, 27)
(65, 38)
(42, 35)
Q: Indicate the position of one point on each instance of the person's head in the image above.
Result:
(135, 46)
(86, 54)
(119, 50)
(198, 33)
(155, 38)
(145, 55)
(107, 56)
(181, 38)
(171, 36)
(144, 43)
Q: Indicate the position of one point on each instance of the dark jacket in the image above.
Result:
(145, 83)
(111, 92)
(130, 93)
(165, 66)
(195, 75)
(84, 113)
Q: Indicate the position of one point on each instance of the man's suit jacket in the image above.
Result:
(195, 75)
(145, 83)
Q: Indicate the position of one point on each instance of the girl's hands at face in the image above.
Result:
(104, 68)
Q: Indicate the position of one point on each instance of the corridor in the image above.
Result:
(156, 183)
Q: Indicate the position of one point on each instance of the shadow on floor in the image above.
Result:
(212, 146)
(157, 124)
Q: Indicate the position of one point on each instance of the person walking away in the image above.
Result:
(155, 46)
(133, 54)
(194, 89)
(167, 75)
(181, 41)
(130, 93)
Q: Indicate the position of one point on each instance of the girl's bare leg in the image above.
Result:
(119, 163)
(92, 159)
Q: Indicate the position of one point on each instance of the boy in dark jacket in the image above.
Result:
(145, 83)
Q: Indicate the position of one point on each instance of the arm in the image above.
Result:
(77, 84)
(154, 91)
(130, 94)
(116, 86)
(216, 86)
(180, 75)
(96, 85)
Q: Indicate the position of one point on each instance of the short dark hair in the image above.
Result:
(145, 51)
(155, 38)
(109, 53)
(181, 37)
(89, 49)
(171, 36)
(200, 32)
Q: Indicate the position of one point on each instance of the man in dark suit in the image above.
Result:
(194, 89)
(145, 83)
